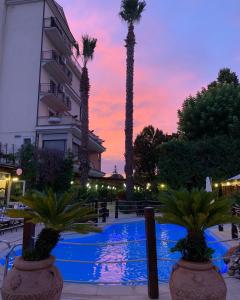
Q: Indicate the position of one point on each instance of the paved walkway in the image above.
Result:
(84, 292)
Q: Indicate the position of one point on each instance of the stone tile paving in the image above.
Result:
(84, 292)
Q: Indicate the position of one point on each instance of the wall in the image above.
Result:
(19, 73)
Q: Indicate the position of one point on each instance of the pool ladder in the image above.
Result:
(11, 249)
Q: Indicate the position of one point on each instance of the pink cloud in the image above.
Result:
(160, 87)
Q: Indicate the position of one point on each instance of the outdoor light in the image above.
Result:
(87, 185)
(162, 186)
(96, 186)
(72, 182)
(124, 184)
(216, 185)
(15, 179)
(228, 183)
(148, 186)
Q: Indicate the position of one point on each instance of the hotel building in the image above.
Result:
(39, 81)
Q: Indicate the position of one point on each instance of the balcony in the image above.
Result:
(59, 121)
(75, 66)
(69, 122)
(56, 67)
(54, 98)
(57, 36)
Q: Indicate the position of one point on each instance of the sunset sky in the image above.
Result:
(181, 45)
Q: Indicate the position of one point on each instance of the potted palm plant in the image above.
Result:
(194, 276)
(34, 275)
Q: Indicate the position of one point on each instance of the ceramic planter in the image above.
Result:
(32, 280)
(197, 281)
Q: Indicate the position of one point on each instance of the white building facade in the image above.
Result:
(39, 80)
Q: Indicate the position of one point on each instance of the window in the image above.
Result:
(76, 150)
(59, 145)
(27, 141)
(52, 86)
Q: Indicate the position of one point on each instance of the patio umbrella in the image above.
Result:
(208, 185)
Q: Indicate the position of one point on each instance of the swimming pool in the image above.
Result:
(126, 272)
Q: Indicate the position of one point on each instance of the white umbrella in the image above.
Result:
(237, 177)
(208, 185)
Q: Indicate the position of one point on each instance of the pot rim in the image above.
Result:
(21, 264)
(198, 266)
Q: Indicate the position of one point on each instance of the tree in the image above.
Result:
(182, 162)
(89, 45)
(213, 111)
(55, 170)
(131, 12)
(43, 168)
(146, 153)
(28, 162)
(196, 211)
(58, 213)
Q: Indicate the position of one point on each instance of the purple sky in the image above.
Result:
(181, 45)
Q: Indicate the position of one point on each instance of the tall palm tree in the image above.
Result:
(131, 12)
(88, 47)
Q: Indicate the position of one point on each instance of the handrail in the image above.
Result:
(6, 265)
(102, 244)
(101, 262)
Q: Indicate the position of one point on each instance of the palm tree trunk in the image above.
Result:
(130, 43)
(84, 160)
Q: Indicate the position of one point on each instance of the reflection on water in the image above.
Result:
(122, 272)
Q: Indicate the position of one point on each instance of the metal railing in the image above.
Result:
(51, 55)
(47, 88)
(53, 22)
(8, 154)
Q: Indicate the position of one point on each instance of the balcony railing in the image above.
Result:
(53, 22)
(51, 55)
(52, 90)
(58, 120)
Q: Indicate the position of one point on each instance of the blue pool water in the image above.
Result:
(126, 271)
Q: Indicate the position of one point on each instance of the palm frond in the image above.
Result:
(131, 10)
(195, 210)
(89, 45)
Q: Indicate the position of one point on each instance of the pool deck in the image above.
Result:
(73, 291)
(84, 292)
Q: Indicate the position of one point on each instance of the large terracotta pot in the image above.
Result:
(32, 280)
(196, 281)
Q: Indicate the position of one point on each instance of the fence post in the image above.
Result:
(116, 209)
(96, 211)
(28, 234)
(104, 212)
(151, 248)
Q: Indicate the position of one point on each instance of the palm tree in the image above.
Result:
(88, 47)
(131, 12)
(196, 211)
(58, 213)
